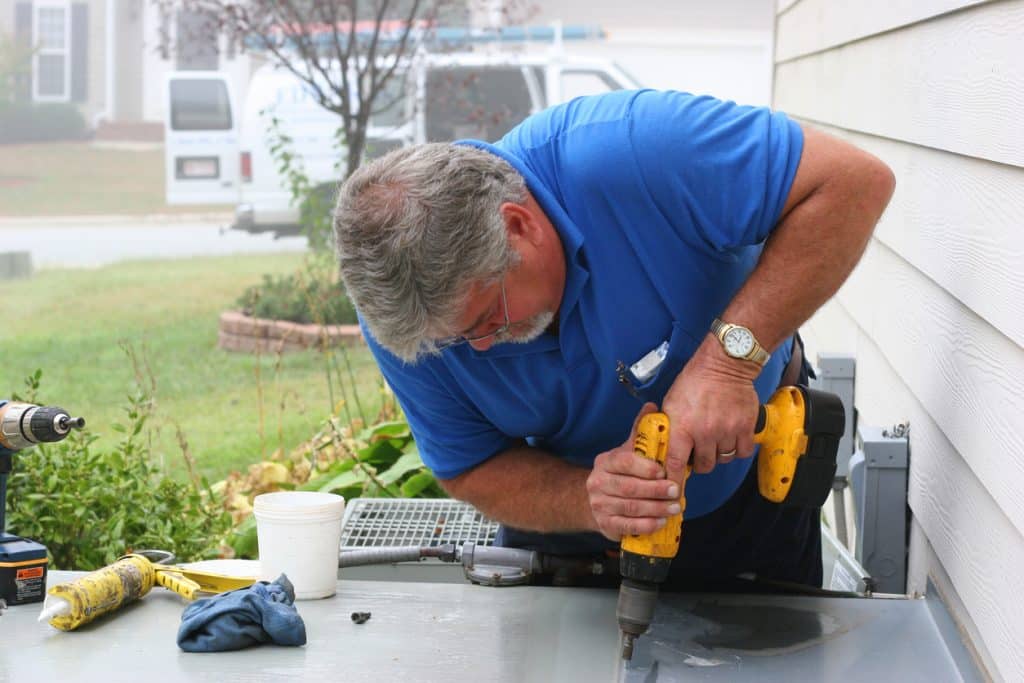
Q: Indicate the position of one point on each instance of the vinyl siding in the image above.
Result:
(935, 311)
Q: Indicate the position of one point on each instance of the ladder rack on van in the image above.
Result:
(448, 36)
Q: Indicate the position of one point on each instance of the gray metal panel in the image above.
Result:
(879, 482)
(835, 375)
(443, 632)
(417, 632)
(790, 638)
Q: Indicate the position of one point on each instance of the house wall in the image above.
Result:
(156, 66)
(93, 103)
(129, 49)
(935, 311)
(7, 17)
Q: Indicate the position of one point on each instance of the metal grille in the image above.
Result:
(424, 522)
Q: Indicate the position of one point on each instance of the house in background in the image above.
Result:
(934, 313)
(109, 58)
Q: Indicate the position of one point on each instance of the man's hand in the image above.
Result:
(712, 408)
(630, 494)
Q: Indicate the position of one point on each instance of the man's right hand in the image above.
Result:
(630, 494)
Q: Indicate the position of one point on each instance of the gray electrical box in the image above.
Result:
(878, 477)
(835, 375)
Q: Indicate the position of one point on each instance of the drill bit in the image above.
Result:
(628, 639)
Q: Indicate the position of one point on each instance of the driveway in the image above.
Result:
(91, 242)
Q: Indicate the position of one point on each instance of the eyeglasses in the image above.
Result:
(462, 339)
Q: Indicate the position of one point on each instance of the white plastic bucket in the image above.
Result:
(299, 534)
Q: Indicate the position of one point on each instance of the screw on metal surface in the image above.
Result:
(360, 617)
(898, 431)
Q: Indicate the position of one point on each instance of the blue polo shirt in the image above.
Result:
(662, 201)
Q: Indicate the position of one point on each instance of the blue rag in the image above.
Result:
(262, 613)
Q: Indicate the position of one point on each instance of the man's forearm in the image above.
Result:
(816, 244)
(529, 489)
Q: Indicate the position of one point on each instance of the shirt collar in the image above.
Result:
(576, 274)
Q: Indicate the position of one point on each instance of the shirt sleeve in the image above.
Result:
(451, 435)
(718, 169)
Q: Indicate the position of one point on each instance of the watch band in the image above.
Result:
(757, 354)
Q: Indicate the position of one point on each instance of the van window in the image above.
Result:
(393, 102)
(200, 104)
(475, 102)
(589, 82)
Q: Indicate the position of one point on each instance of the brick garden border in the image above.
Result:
(239, 332)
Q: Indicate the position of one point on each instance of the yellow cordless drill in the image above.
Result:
(798, 430)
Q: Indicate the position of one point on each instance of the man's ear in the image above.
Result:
(520, 222)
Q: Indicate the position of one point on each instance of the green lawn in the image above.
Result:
(77, 178)
(70, 323)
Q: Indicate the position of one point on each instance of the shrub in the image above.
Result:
(89, 507)
(40, 122)
(304, 297)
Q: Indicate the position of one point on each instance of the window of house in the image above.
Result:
(52, 41)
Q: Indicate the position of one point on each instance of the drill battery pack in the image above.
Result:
(22, 570)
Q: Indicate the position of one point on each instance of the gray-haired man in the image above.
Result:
(507, 289)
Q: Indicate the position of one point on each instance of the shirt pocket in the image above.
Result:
(681, 346)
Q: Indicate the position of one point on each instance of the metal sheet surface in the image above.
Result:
(444, 632)
(785, 638)
(417, 632)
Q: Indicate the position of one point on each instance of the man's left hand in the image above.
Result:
(712, 408)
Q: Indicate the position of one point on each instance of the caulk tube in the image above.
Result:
(69, 605)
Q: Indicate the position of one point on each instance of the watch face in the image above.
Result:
(739, 342)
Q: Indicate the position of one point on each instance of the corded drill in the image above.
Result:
(23, 561)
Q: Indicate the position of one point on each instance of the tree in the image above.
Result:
(344, 51)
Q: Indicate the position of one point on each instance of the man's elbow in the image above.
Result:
(876, 184)
(884, 181)
(456, 487)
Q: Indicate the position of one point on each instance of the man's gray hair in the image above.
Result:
(413, 230)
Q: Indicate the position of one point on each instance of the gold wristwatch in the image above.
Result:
(739, 342)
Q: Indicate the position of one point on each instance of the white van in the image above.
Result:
(437, 97)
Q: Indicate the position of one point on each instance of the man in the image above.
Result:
(506, 290)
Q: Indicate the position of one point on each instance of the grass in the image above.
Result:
(77, 178)
(70, 323)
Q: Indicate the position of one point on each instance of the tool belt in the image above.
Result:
(791, 373)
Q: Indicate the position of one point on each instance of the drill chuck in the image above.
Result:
(23, 425)
(635, 610)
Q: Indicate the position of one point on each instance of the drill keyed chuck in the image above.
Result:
(50, 423)
(635, 610)
(23, 425)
